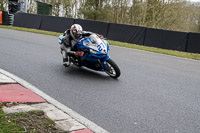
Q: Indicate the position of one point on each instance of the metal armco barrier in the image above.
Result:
(174, 40)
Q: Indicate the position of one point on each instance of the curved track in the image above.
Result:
(155, 93)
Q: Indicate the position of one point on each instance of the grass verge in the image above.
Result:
(121, 44)
(158, 50)
(32, 121)
(31, 30)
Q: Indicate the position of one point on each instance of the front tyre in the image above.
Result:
(113, 69)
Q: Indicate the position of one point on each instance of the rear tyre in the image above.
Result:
(113, 70)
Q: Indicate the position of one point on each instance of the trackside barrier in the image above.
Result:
(193, 43)
(27, 20)
(126, 33)
(1, 17)
(165, 39)
(173, 40)
(93, 26)
(5, 18)
(56, 24)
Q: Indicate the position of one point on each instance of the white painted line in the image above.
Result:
(92, 126)
(4, 79)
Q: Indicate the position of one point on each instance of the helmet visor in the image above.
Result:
(77, 35)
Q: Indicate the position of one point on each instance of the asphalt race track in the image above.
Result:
(155, 94)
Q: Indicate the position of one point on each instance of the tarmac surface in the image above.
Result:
(155, 93)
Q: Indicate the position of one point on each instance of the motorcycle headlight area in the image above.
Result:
(92, 51)
(89, 44)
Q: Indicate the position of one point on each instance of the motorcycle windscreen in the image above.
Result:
(97, 44)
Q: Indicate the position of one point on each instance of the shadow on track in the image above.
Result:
(84, 73)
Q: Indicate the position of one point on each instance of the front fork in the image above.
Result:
(103, 64)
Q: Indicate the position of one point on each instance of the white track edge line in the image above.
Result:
(92, 126)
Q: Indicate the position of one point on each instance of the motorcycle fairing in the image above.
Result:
(60, 39)
(95, 43)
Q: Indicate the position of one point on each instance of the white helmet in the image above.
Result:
(75, 31)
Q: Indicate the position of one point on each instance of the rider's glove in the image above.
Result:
(79, 54)
(86, 51)
(100, 36)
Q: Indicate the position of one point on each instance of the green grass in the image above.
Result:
(31, 30)
(121, 44)
(158, 50)
(6, 126)
(32, 121)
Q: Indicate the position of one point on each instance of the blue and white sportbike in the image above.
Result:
(95, 55)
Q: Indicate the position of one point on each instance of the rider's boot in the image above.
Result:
(66, 61)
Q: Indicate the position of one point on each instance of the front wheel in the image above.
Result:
(113, 69)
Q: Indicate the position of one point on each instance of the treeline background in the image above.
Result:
(177, 15)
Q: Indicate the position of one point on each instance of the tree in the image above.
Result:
(31, 6)
(67, 9)
(136, 13)
(3, 5)
(56, 4)
(93, 9)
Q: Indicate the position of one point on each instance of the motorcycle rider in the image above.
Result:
(68, 46)
(69, 41)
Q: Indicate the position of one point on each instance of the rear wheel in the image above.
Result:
(113, 69)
